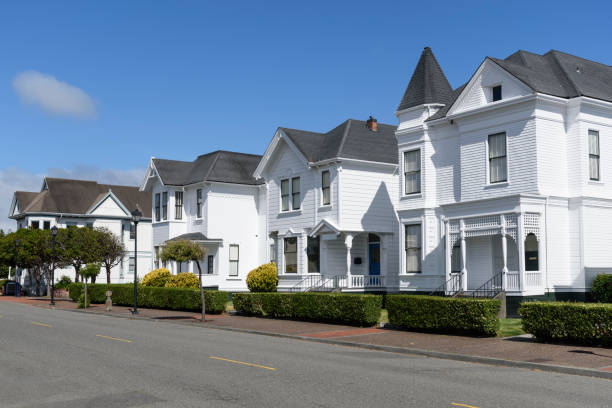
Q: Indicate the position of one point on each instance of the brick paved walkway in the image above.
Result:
(517, 349)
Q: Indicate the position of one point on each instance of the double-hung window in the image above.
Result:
(290, 255)
(498, 160)
(46, 225)
(132, 231)
(413, 248)
(35, 224)
(325, 188)
(210, 265)
(234, 256)
(594, 155)
(178, 205)
(165, 205)
(199, 202)
(412, 172)
(157, 207)
(312, 250)
(290, 194)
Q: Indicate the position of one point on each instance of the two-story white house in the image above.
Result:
(506, 180)
(66, 202)
(330, 218)
(216, 202)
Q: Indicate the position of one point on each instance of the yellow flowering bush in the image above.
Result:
(263, 278)
(157, 278)
(183, 280)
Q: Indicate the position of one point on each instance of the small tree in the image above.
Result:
(79, 247)
(185, 251)
(90, 271)
(111, 250)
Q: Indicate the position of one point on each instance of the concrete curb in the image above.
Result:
(585, 372)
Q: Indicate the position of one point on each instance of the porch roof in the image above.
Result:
(195, 237)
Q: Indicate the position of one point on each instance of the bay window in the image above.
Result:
(594, 155)
(290, 255)
(413, 248)
(325, 188)
(412, 172)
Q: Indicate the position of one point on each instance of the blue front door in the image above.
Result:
(374, 259)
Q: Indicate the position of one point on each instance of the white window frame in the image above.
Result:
(179, 209)
(404, 226)
(501, 88)
(328, 171)
(297, 255)
(231, 261)
(280, 194)
(157, 207)
(416, 193)
(199, 203)
(598, 179)
(487, 159)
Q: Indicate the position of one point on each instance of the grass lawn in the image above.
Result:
(229, 306)
(510, 327)
(384, 316)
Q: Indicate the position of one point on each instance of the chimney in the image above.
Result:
(372, 124)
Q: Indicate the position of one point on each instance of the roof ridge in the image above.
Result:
(579, 57)
(348, 122)
(562, 69)
(71, 179)
(212, 165)
(34, 200)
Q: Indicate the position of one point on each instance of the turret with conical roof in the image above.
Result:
(428, 84)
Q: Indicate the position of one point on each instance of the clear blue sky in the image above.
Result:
(176, 79)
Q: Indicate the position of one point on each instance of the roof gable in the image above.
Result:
(108, 204)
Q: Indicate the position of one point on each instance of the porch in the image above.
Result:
(333, 260)
(493, 253)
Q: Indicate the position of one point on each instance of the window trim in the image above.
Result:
(210, 264)
(297, 263)
(199, 203)
(237, 261)
(290, 194)
(420, 171)
(157, 207)
(328, 188)
(308, 240)
(501, 92)
(591, 155)
(165, 206)
(178, 205)
(420, 258)
(488, 159)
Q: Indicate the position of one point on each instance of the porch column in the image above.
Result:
(304, 255)
(520, 246)
(463, 255)
(348, 244)
(383, 258)
(504, 244)
(448, 251)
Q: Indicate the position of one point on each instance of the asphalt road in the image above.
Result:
(62, 359)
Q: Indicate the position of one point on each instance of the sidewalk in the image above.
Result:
(513, 351)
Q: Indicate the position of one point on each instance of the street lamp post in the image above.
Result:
(136, 215)
(17, 275)
(53, 235)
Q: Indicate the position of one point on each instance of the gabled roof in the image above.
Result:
(68, 196)
(555, 73)
(193, 236)
(219, 166)
(427, 85)
(350, 140)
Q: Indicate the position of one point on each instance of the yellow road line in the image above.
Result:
(243, 363)
(113, 338)
(462, 405)
(42, 324)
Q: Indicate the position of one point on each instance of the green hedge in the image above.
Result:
(328, 307)
(580, 323)
(444, 314)
(601, 289)
(153, 297)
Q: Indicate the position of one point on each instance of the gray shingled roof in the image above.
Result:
(67, 196)
(191, 236)
(351, 139)
(555, 73)
(220, 166)
(428, 83)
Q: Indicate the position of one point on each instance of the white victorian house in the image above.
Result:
(66, 202)
(216, 202)
(506, 182)
(330, 217)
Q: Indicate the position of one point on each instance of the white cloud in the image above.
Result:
(53, 96)
(13, 179)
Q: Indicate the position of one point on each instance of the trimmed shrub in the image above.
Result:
(159, 298)
(601, 289)
(444, 314)
(183, 280)
(157, 278)
(63, 283)
(361, 310)
(579, 323)
(264, 278)
(81, 304)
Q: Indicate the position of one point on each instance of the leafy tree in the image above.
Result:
(90, 271)
(79, 247)
(185, 251)
(111, 250)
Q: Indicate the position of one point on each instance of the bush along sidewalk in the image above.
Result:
(153, 297)
(577, 323)
(363, 310)
(444, 314)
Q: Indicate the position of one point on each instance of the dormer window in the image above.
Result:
(497, 93)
